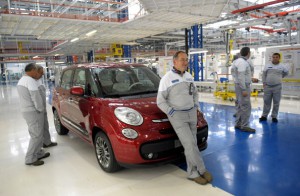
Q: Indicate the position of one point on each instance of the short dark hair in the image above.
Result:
(30, 67)
(276, 54)
(245, 51)
(177, 53)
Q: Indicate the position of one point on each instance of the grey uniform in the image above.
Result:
(178, 98)
(233, 73)
(272, 80)
(33, 112)
(242, 73)
(46, 134)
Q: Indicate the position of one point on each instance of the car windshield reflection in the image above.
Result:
(126, 81)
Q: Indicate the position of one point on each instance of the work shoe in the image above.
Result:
(50, 145)
(262, 119)
(207, 176)
(199, 180)
(36, 163)
(247, 129)
(47, 154)
(274, 120)
(237, 127)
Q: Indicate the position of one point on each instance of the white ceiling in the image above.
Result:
(161, 16)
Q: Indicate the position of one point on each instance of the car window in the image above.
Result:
(126, 80)
(79, 78)
(66, 79)
(92, 89)
(144, 78)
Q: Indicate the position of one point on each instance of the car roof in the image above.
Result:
(103, 65)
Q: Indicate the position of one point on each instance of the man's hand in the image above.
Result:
(244, 93)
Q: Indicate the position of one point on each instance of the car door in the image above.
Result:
(63, 95)
(79, 105)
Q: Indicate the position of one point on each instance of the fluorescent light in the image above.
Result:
(35, 57)
(59, 62)
(60, 43)
(75, 39)
(130, 43)
(91, 33)
(197, 51)
(53, 50)
(288, 45)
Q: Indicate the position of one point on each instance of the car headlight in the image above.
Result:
(130, 133)
(129, 116)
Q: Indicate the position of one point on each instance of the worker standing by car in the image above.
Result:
(32, 109)
(178, 98)
(272, 82)
(46, 135)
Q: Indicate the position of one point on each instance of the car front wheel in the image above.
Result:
(60, 129)
(105, 154)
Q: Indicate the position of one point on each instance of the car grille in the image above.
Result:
(171, 130)
(167, 131)
(170, 147)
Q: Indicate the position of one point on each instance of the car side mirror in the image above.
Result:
(77, 90)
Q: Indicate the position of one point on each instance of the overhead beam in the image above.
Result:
(256, 7)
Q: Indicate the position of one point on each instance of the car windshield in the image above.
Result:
(126, 81)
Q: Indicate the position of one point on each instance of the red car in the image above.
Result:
(113, 107)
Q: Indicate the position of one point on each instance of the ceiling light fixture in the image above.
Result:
(53, 50)
(91, 33)
(59, 62)
(60, 43)
(75, 39)
(197, 51)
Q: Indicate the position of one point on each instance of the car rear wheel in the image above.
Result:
(105, 154)
(60, 129)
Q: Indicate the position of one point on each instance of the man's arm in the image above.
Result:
(264, 75)
(196, 97)
(285, 71)
(36, 96)
(162, 103)
(241, 73)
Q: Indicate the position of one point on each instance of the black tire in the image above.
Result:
(105, 154)
(60, 129)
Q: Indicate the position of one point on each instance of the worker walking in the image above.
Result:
(272, 82)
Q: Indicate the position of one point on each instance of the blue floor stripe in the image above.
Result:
(264, 163)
